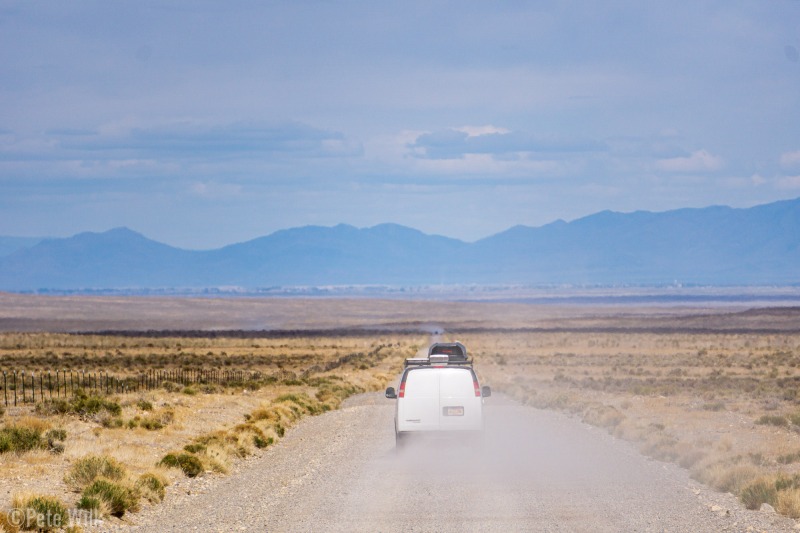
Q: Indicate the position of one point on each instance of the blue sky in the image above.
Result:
(204, 123)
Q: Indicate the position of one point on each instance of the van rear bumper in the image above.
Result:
(467, 437)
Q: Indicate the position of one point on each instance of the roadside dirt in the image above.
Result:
(537, 471)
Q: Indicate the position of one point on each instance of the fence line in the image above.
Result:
(21, 388)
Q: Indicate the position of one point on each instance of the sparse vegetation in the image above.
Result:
(38, 513)
(773, 420)
(684, 397)
(673, 393)
(186, 462)
(109, 497)
(28, 434)
(152, 486)
(82, 405)
(87, 469)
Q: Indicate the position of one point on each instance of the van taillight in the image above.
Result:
(477, 388)
(402, 392)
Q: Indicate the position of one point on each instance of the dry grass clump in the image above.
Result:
(152, 486)
(189, 463)
(603, 416)
(28, 434)
(726, 477)
(106, 497)
(85, 406)
(33, 512)
(773, 420)
(91, 467)
(780, 491)
(104, 484)
(788, 503)
(759, 492)
(154, 421)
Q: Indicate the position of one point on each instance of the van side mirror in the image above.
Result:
(486, 391)
(390, 393)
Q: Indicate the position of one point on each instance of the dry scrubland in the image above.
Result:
(712, 389)
(725, 406)
(110, 455)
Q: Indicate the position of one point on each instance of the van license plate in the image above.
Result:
(453, 411)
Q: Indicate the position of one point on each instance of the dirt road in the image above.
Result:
(537, 471)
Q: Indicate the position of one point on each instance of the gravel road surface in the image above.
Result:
(536, 471)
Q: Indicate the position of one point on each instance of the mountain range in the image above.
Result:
(714, 245)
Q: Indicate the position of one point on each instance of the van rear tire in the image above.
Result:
(400, 441)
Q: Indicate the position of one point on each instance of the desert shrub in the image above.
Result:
(210, 388)
(117, 498)
(152, 486)
(195, 447)
(788, 503)
(19, 438)
(332, 395)
(759, 492)
(81, 404)
(56, 434)
(726, 477)
(262, 442)
(773, 420)
(151, 423)
(789, 458)
(301, 404)
(144, 405)
(40, 513)
(112, 422)
(603, 416)
(55, 440)
(8, 524)
(188, 463)
(170, 386)
(714, 406)
(783, 482)
(87, 469)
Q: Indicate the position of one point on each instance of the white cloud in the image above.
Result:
(699, 161)
(790, 159)
(475, 131)
(788, 182)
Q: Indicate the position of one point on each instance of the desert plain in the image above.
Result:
(712, 388)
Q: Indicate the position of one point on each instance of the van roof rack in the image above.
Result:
(436, 360)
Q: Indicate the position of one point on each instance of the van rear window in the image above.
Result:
(422, 382)
(456, 384)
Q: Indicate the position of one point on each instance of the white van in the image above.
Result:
(438, 396)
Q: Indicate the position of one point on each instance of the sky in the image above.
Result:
(201, 123)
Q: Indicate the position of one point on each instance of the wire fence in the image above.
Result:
(19, 387)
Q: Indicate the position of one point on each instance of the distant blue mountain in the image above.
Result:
(714, 245)
(9, 245)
